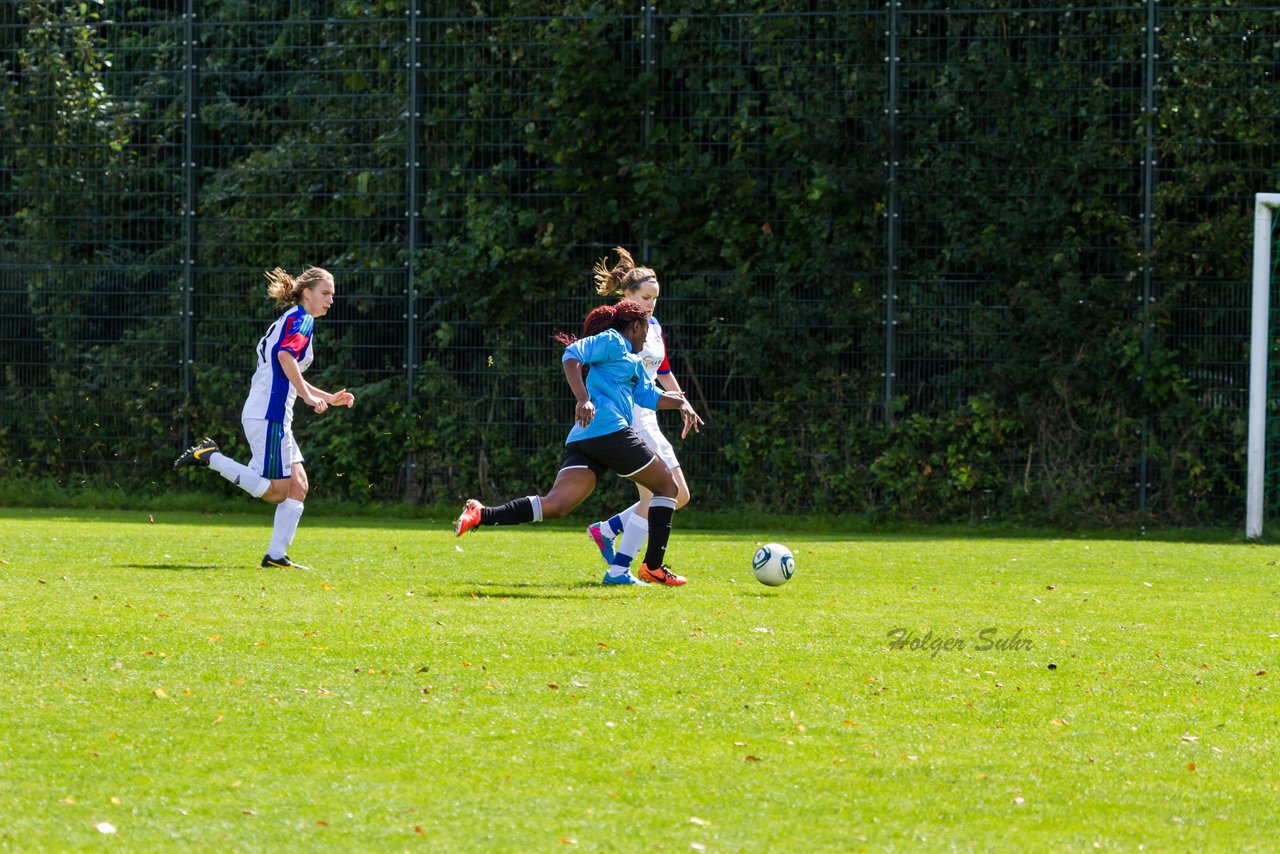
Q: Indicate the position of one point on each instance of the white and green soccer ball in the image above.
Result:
(773, 564)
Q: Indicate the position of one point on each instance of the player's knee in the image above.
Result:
(668, 488)
(682, 497)
(277, 492)
(554, 509)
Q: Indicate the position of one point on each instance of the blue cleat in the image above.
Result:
(604, 543)
(625, 580)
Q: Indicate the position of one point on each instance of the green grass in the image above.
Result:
(416, 692)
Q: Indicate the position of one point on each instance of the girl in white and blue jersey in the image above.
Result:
(602, 438)
(275, 472)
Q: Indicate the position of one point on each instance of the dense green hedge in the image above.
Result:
(1051, 346)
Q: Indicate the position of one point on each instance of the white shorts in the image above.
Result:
(645, 422)
(273, 447)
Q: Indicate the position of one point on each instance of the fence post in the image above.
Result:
(189, 223)
(412, 163)
(648, 63)
(891, 212)
(1148, 231)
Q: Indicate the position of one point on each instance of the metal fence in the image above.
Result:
(143, 295)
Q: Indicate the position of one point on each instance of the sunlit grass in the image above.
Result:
(414, 691)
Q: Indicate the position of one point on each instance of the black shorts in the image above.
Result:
(623, 451)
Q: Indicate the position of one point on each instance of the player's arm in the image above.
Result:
(692, 421)
(585, 410)
(670, 383)
(665, 377)
(338, 398)
(293, 373)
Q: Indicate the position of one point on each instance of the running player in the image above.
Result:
(602, 438)
(630, 527)
(275, 472)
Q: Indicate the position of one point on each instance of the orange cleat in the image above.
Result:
(661, 575)
(469, 518)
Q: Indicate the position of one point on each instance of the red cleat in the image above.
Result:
(469, 518)
(661, 575)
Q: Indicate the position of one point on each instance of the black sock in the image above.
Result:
(659, 533)
(515, 512)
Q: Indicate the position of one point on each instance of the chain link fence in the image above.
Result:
(156, 162)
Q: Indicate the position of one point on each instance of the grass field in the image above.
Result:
(417, 692)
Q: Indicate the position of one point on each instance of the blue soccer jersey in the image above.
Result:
(616, 382)
(271, 395)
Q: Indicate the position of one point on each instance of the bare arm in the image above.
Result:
(677, 400)
(585, 409)
(338, 398)
(670, 383)
(289, 365)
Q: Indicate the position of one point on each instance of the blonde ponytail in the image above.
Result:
(286, 290)
(622, 278)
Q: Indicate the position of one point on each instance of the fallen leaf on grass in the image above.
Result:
(750, 758)
(1191, 766)
(105, 827)
(160, 694)
(1186, 736)
(701, 822)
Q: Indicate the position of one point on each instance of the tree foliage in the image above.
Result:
(1019, 298)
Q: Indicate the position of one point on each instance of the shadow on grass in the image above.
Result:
(172, 566)
(497, 590)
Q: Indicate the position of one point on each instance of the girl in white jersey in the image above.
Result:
(620, 536)
(275, 473)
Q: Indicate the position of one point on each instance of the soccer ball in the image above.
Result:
(773, 564)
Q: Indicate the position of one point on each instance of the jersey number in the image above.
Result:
(262, 345)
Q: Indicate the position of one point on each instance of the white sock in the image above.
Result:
(242, 476)
(616, 524)
(536, 503)
(624, 550)
(288, 512)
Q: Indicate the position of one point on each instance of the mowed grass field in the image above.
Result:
(417, 692)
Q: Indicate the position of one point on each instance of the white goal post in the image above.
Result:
(1265, 205)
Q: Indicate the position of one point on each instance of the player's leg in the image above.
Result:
(607, 534)
(573, 484)
(288, 514)
(637, 523)
(207, 453)
(635, 530)
(658, 478)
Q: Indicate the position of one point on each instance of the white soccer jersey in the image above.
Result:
(643, 420)
(271, 395)
(654, 352)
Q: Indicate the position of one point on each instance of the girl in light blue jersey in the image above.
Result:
(620, 536)
(602, 438)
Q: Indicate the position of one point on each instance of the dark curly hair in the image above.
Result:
(616, 316)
